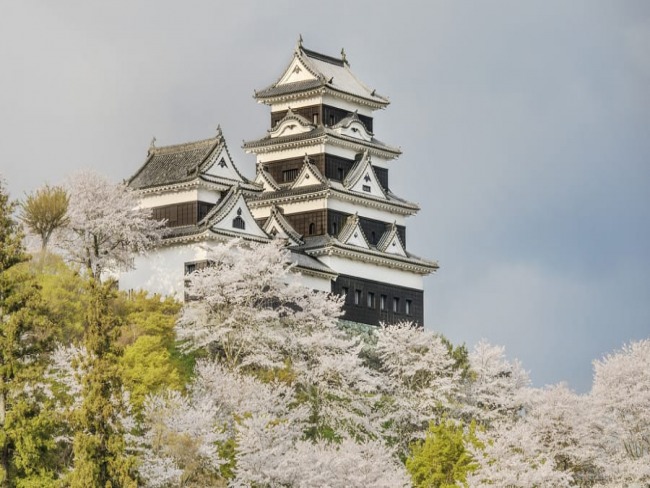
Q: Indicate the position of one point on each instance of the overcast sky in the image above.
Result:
(525, 130)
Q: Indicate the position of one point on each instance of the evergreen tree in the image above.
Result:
(442, 460)
(26, 445)
(100, 459)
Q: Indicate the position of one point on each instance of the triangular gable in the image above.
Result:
(220, 164)
(277, 226)
(234, 216)
(352, 233)
(291, 124)
(363, 179)
(308, 176)
(352, 126)
(297, 71)
(391, 243)
(267, 181)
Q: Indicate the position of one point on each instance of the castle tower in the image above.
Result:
(323, 172)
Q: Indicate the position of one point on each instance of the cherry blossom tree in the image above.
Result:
(253, 314)
(106, 227)
(512, 454)
(420, 380)
(492, 391)
(621, 400)
(563, 423)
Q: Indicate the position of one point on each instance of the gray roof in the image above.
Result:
(173, 164)
(320, 131)
(331, 73)
(181, 163)
(307, 262)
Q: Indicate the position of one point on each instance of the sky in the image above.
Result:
(524, 126)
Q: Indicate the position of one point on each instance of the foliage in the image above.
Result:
(26, 445)
(441, 459)
(45, 211)
(99, 447)
(620, 398)
(107, 227)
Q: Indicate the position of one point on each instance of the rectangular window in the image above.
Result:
(408, 307)
(190, 268)
(357, 297)
(366, 188)
(382, 303)
(315, 118)
(344, 292)
(289, 175)
(371, 300)
(396, 305)
(341, 173)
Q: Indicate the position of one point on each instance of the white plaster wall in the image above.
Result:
(169, 198)
(373, 272)
(163, 270)
(294, 104)
(315, 283)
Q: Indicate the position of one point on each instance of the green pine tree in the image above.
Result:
(27, 448)
(100, 458)
(442, 460)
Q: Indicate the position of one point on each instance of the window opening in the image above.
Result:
(289, 175)
(357, 297)
(371, 300)
(312, 229)
(334, 228)
(382, 303)
(408, 307)
(238, 222)
(396, 305)
(366, 188)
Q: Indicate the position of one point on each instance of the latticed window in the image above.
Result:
(290, 175)
(238, 222)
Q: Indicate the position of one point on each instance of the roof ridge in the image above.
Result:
(310, 53)
(183, 145)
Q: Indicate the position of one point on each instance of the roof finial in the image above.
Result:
(343, 57)
(306, 158)
(219, 133)
(152, 145)
(299, 43)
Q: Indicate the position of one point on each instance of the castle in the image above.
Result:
(322, 185)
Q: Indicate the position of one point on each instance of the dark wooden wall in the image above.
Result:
(325, 114)
(373, 315)
(178, 214)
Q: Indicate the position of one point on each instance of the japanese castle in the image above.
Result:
(321, 185)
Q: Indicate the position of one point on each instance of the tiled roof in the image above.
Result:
(276, 215)
(319, 131)
(331, 73)
(301, 260)
(325, 245)
(173, 164)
